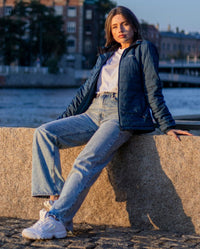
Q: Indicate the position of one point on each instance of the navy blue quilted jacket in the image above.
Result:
(140, 96)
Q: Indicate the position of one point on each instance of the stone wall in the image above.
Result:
(38, 79)
(152, 182)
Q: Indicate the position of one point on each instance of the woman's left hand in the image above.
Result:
(175, 133)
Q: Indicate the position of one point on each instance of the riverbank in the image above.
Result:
(40, 80)
(33, 77)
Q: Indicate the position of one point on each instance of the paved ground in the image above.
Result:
(94, 237)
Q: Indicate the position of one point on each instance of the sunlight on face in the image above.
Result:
(122, 31)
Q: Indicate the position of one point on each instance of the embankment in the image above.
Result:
(152, 182)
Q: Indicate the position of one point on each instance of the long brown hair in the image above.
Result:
(111, 44)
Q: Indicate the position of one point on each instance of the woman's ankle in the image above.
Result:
(54, 197)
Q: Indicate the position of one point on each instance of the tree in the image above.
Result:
(53, 41)
(11, 42)
(144, 29)
(32, 32)
(103, 8)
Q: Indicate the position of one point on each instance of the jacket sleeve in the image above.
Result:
(83, 96)
(153, 87)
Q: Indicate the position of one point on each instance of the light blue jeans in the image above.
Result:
(98, 128)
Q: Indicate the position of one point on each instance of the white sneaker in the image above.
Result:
(48, 204)
(46, 228)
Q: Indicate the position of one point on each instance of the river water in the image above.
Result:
(32, 107)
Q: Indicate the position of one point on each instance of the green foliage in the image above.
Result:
(32, 31)
(103, 8)
(11, 43)
(144, 29)
(52, 65)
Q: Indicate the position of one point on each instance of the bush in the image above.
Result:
(52, 65)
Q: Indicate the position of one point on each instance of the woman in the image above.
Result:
(113, 103)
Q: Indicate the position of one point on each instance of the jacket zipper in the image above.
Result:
(118, 83)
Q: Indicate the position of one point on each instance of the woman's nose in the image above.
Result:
(120, 28)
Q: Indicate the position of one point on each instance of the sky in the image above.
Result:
(184, 14)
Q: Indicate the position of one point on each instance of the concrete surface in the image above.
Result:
(86, 236)
(152, 183)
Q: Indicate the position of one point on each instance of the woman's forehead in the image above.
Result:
(118, 19)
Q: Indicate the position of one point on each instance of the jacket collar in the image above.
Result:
(109, 54)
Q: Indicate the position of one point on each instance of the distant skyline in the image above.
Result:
(184, 14)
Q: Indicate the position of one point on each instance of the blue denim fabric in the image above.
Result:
(99, 128)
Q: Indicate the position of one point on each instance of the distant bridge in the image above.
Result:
(180, 74)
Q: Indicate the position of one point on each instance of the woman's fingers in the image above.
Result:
(175, 133)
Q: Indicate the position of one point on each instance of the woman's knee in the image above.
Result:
(39, 130)
(45, 128)
(43, 133)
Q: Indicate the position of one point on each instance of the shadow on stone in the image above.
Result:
(139, 179)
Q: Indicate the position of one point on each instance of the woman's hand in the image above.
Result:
(175, 133)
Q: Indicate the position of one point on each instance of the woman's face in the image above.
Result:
(122, 31)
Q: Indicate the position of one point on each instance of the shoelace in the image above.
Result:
(43, 213)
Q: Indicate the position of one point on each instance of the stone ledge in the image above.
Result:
(153, 182)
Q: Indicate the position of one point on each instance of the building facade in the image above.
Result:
(73, 19)
(91, 33)
(179, 46)
(151, 33)
(72, 12)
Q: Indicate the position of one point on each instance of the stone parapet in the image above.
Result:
(152, 182)
(40, 80)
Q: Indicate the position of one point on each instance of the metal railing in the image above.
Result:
(19, 69)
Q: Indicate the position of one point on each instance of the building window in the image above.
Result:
(71, 27)
(71, 44)
(88, 30)
(71, 11)
(58, 10)
(8, 10)
(88, 14)
(163, 45)
(88, 46)
(175, 47)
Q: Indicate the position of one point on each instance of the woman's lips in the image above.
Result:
(121, 36)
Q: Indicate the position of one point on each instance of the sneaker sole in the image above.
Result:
(59, 235)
